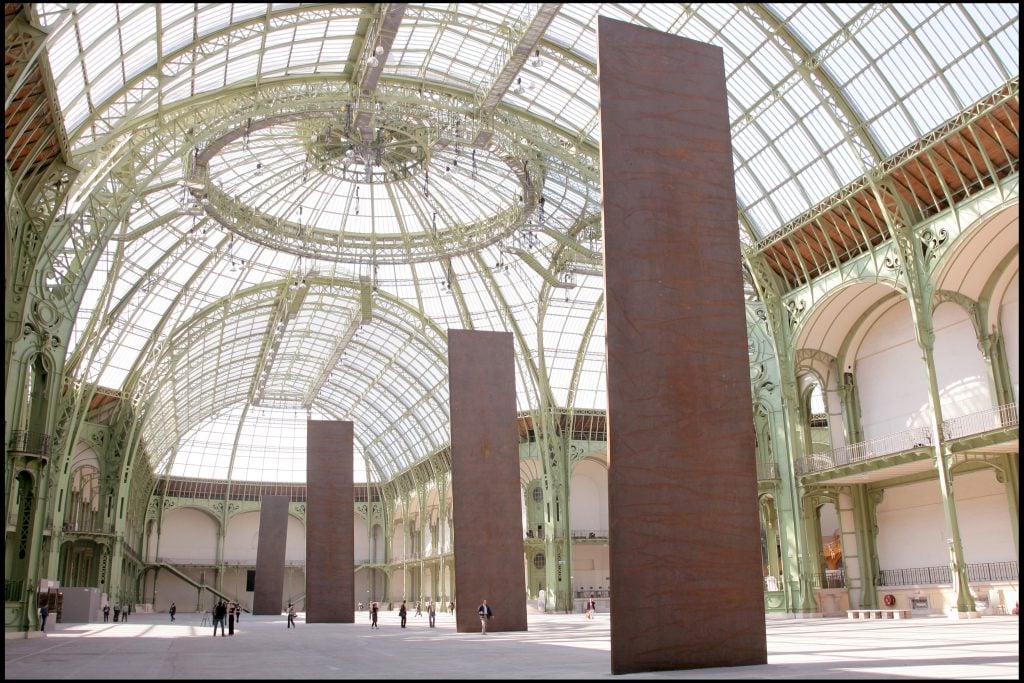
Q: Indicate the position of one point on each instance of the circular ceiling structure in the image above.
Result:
(284, 208)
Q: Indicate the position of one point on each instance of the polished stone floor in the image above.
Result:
(556, 646)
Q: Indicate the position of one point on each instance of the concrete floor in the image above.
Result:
(557, 646)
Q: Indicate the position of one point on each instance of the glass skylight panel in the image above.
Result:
(970, 75)
(213, 17)
(746, 88)
(812, 23)
(929, 108)
(800, 148)
(822, 126)
(847, 165)
(769, 168)
(818, 181)
(774, 121)
(763, 217)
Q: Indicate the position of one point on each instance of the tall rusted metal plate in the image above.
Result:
(486, 493)
(330, 536)
(685, 539)
(268, 591)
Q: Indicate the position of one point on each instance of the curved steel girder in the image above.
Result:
(854, 127)
(581, 353)
(140, 90)
(539, 381)
(268, 295)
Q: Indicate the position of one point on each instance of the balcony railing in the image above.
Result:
(979, 423)
(919, 576)
(32, 443)
(590, 533)
(956, 428)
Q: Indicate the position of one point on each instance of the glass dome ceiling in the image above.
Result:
(310, 195)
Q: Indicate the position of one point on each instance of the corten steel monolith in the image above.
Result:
(682, 486)
(268, 591)
(486, 493)
(330, 536)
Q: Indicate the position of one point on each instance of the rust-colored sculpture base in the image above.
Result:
(685, 540)
(330, 551)
(269, 588)
(486, 494)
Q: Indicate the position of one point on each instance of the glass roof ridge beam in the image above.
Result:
(375, 51)
(276, 326)
(531, 36)
(548, 276)
(355, 321)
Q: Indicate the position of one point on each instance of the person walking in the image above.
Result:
(124, 613)
(219, 616)
(231, 618)
(402, 612)
(485, 612)
(591, 607)
(419, 612)
(173, 610)
(291, 615)
(44, 612)
(106, 613)
(117, 613)
(431, 613)
(373, 616)
(238, 612)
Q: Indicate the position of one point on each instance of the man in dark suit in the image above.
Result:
(485, 612)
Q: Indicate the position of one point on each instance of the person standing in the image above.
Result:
(238, 612)
(291, 615)
(117, 613)
(373, 616)
(124, 614)
(44, 612)
(431, 613)
(231, 618)
(402, 612)
(106, 613)
(219, 614)
(173, 610)
(591, 606)
(485, 612)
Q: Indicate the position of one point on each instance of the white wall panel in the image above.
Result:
(891, 376)
(959, 367)
(588, 499)
(188, 534)
(912, 527)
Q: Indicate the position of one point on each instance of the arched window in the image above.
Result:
(82, 513)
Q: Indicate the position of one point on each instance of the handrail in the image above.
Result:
(33, 443)
(983, 571)
(999, 417)
(188, 579)
(867, 450)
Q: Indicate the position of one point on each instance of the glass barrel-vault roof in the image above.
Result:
(350, 153)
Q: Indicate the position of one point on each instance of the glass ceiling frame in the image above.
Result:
(814, 99)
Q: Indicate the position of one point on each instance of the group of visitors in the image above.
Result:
(374, 610)
(224, 613)
(120, 613)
